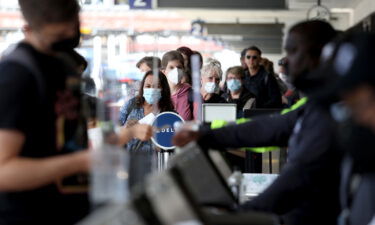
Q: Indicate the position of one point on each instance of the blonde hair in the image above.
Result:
(212, 65)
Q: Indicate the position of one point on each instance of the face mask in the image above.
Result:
(152, 95)
(210, 87)
(234, 84)
(66, 44)
(175, 75)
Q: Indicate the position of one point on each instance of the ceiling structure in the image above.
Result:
(267, 37)
(223, 4)
(305, 4)
(236, 23)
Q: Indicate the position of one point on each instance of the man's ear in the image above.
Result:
(26, 28)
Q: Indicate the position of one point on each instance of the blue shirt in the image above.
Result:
(131, 113)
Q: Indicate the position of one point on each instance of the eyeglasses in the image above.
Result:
(251, 56)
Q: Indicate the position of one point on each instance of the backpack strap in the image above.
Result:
(22, 56)
(250, 103)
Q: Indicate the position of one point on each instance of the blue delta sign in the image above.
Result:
(164, 124)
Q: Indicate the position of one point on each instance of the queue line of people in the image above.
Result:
(258, 81)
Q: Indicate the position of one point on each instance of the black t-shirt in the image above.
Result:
(215, 98)
(23, 108)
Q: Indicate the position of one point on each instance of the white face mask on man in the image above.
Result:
(211, 87)
(175, 75)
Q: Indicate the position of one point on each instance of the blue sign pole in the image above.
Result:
(164, 129)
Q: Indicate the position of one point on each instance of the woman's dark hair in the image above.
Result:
(188, 52)
(165, 103)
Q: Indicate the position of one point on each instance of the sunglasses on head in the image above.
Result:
(251, 56)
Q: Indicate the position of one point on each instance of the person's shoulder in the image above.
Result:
(132, 103)
(184, 89)
(132, 100)
(185, 86)
(129, 106)
(318, 116)
(12, 71)
(263, 72)
(9, 62)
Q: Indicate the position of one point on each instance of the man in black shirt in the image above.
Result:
(259, 82)
(30, 102)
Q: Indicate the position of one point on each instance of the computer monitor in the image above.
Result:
(170, 197)
(166, 202)
(113, 214)
(201, 177)
(220, 163)
(219, 111)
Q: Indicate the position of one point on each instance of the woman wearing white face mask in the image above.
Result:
(173, 67)
(210, 78)
(143, 104)
(237, 93)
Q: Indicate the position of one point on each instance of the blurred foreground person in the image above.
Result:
(353, 60)
(311, 175)
(34, 94)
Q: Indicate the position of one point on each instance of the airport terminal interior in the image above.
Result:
(187, 112)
